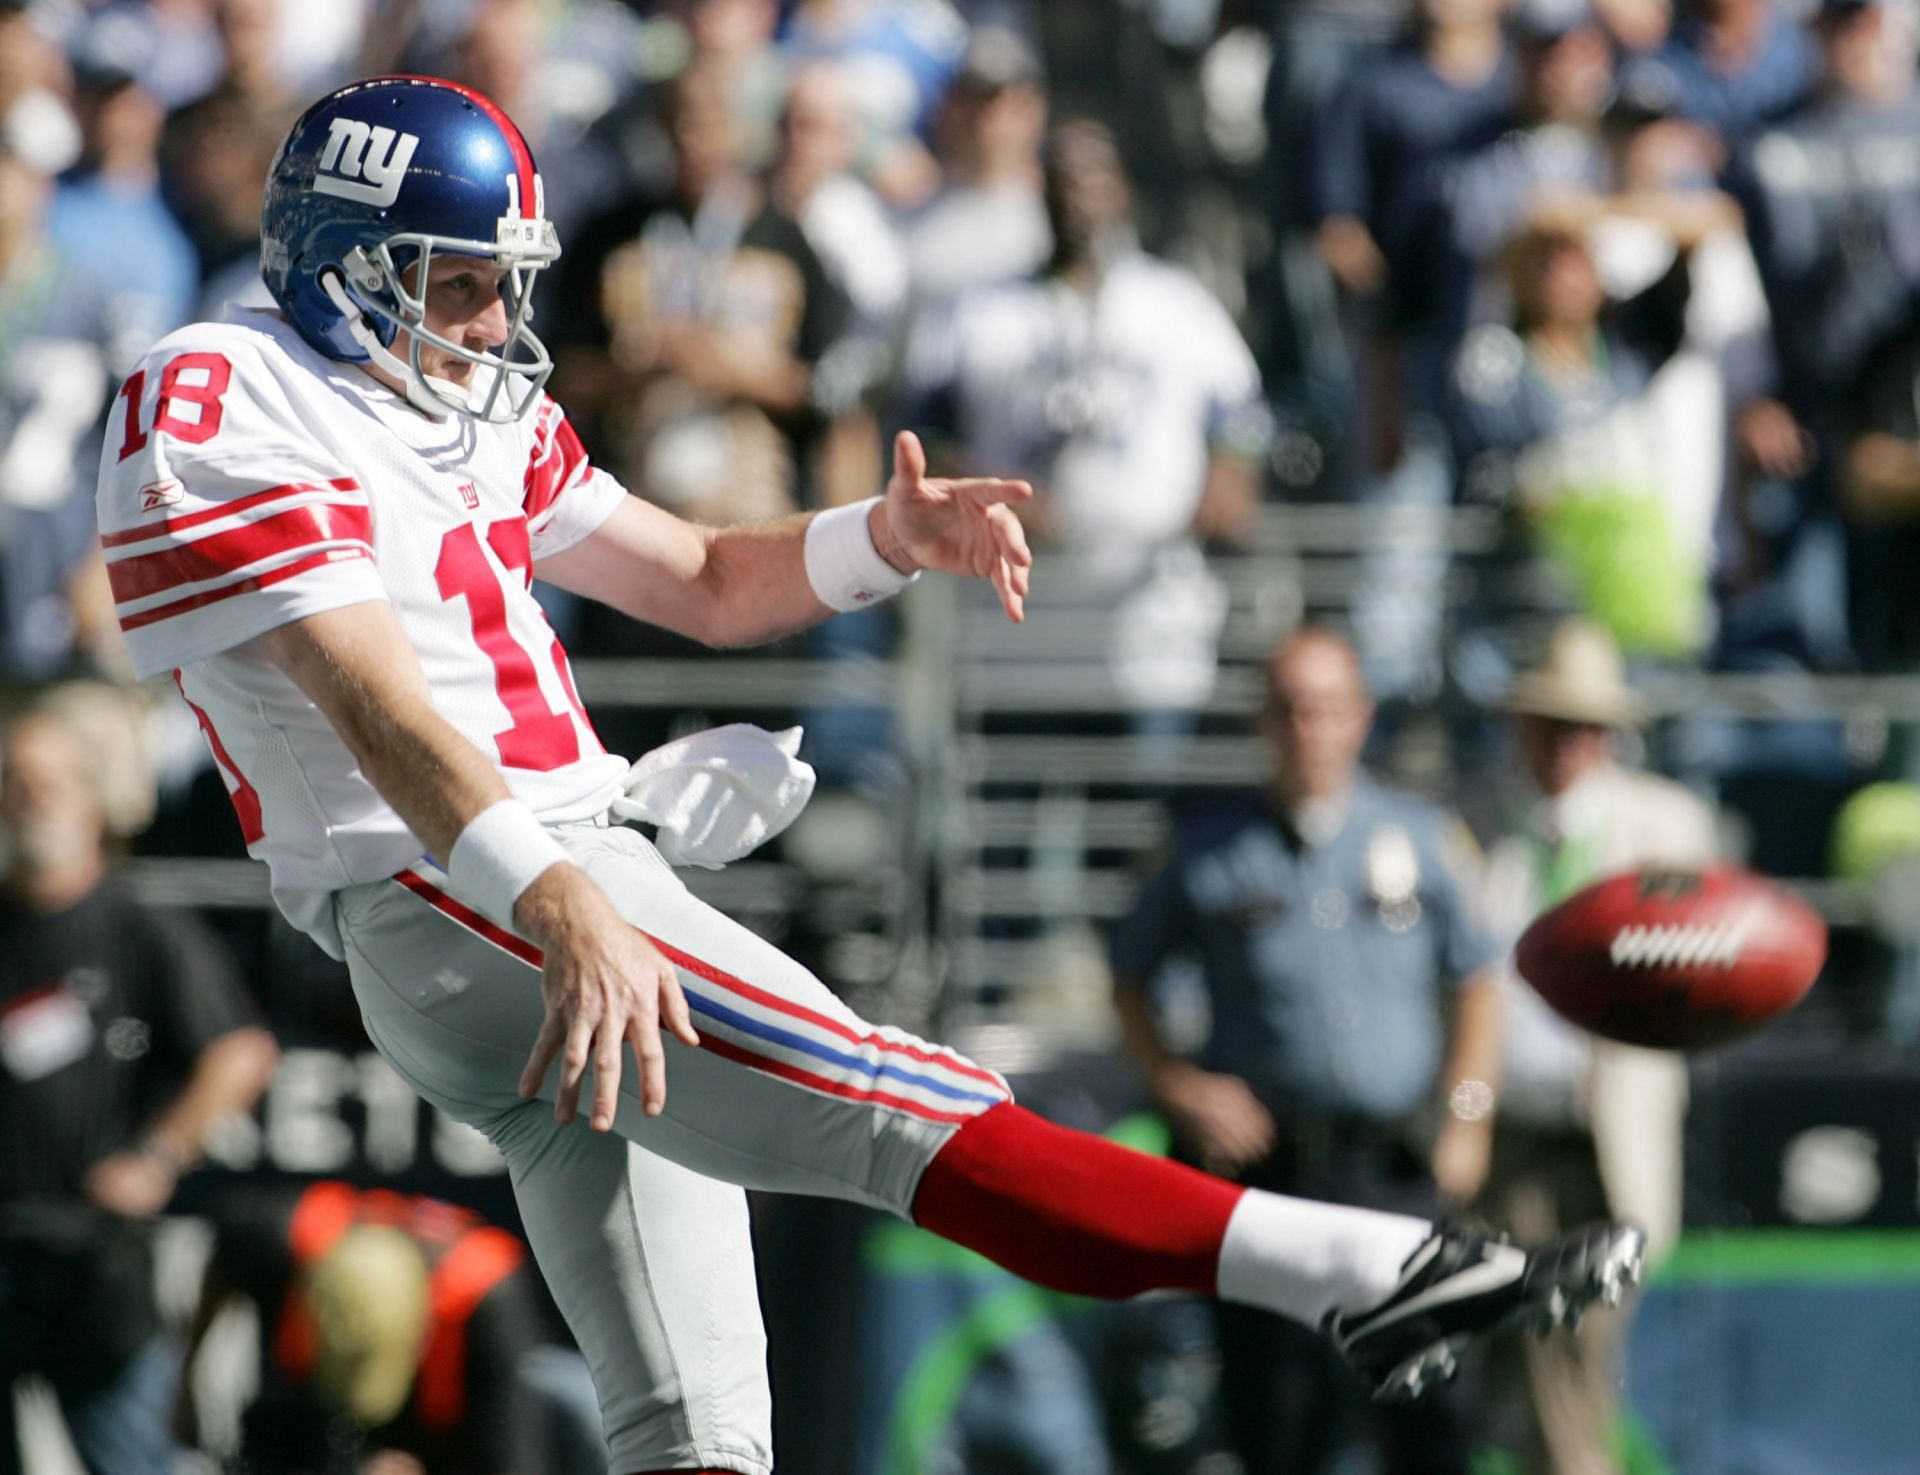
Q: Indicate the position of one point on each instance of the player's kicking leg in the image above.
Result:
(1399, 1296)
(790, 1091)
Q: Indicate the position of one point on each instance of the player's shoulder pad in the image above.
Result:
(556, 458)
(245, 346)
(212, 413)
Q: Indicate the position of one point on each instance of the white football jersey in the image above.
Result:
(247, 481)
(1098, 398)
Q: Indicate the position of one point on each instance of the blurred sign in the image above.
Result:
(340, 1112)
(1827, 1142)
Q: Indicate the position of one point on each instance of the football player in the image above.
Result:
(324, 519)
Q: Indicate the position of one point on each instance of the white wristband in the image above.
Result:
(498, 856)
(845, 569)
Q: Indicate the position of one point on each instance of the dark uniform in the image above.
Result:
(468, 1412)
(1328, 965)
(1832, 199)
(104, 1009)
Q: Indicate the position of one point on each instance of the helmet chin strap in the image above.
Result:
(426, 393)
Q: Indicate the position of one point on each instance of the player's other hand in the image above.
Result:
(958, 525)
(605, 987)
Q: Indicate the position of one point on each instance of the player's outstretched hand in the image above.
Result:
(958, 525)
(605, 986)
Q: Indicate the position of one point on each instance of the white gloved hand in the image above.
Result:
(716, 795)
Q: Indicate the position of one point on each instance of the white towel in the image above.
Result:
(718, 794)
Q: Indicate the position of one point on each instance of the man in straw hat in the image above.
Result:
(1584, 1124)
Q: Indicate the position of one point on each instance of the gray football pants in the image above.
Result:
(642, 1232)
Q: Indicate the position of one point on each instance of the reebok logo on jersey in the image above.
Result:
(364, 163)
(157, 494)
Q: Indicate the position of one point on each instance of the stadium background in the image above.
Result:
(992, 794)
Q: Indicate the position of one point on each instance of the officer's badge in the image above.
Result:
(1393, 877)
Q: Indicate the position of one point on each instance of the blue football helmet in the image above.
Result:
(374, 179)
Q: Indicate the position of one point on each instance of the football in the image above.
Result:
(1675, 960)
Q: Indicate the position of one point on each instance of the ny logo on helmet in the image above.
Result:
(357, 152)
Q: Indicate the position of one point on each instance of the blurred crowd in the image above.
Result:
(1637, 281)
(1636, 276)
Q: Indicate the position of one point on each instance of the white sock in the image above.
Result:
(1302, 1258)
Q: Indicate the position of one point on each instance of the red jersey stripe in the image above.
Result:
(552, 469)
(168, 525)
(245, 586)
(223, 553)
(467, 917)
(246, 798)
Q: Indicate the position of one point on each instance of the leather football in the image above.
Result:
(1675, 960)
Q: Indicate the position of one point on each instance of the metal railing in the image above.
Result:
(1002, 837)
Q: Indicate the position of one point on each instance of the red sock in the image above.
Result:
(1072, 1211)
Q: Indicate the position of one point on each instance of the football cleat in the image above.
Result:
(1459, 1287)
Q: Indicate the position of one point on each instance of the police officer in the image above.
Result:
(1354, 1034)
